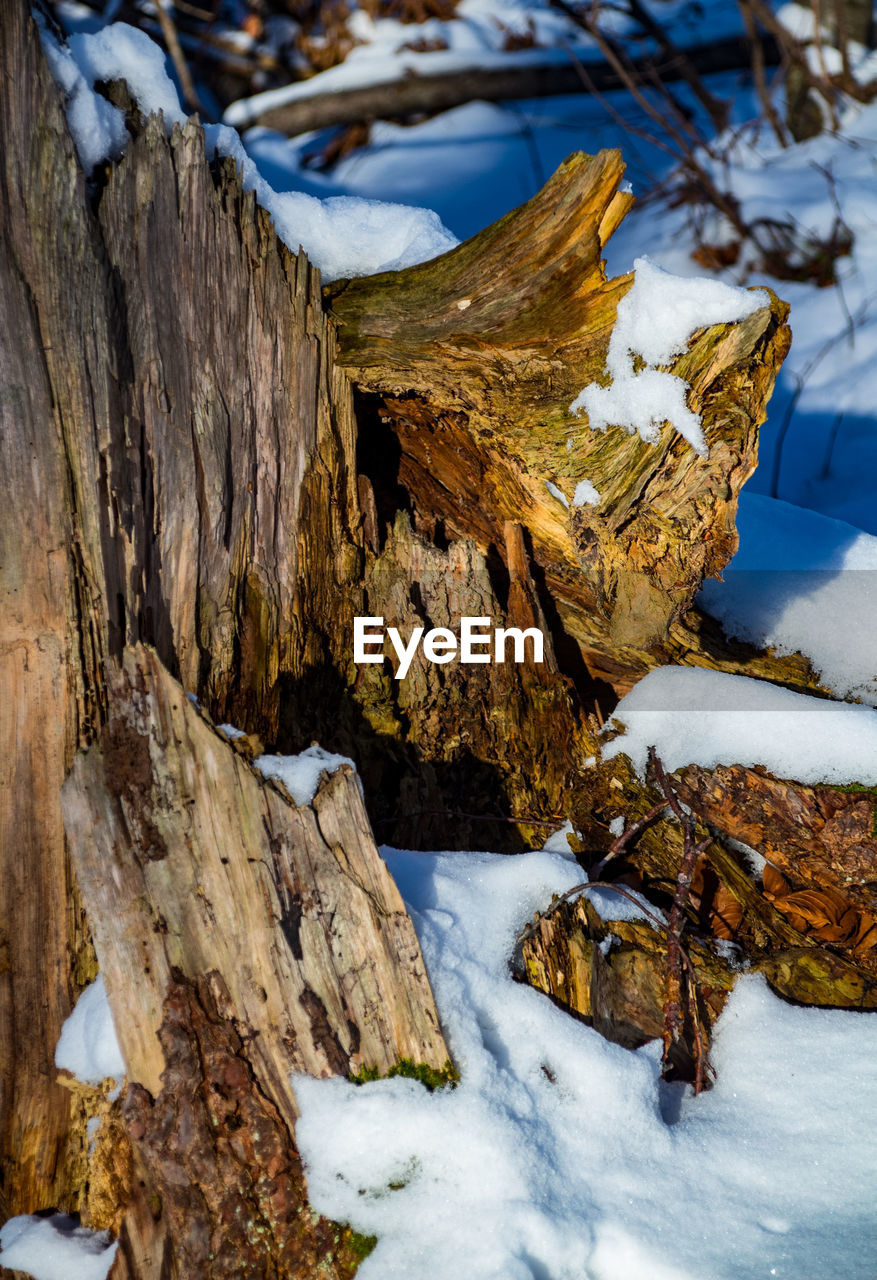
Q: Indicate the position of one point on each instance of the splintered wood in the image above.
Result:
(242, 939)
(191, 864)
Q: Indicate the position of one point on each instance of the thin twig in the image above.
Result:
(524, 821)
(759, 76)
(172, 42)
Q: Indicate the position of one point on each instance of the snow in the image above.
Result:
(693, 716)
(365, 70)
(553, 1156)
(585, 495)
(55, 1248)
(818, 448)
(301, 774)
(795, 575)
(556, 493)
(558, 842)
(656, 320)
(602, 1171)
(342, 235)
(230, 731)
(88, 1047)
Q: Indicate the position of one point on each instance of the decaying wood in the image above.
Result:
(812, 935)
(474, 359)
(157, 453)
(188, 464)
(417, 93)
(488, 741)
(242, 939)
(819, 836)
(615, 975)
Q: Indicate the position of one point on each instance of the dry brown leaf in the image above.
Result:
(775, 883)
(726, 914)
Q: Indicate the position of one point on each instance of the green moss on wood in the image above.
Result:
(428, 1076)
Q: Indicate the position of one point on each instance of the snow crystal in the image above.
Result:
(343, 235)
(55, 1248)
(551, 1157)
(88, 1047)
(693, 716)
(301, 774)
(585, 495)
(656, 319)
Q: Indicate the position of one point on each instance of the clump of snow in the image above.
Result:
(656, 319)
(343, 235)
(616, 826)
(558, 842)
(301, 774)
(631, 905)
(230, 731)
(794, 577)
(97, 127)
(585, 495)
(55, 1248)
(551, 1157)
(88, 1047)
(694, 716)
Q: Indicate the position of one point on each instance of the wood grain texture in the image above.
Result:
(52, 634)
(820, 836)
(159, 454)
(190, 863)
(474, 359)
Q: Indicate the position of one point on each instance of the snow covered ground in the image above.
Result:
(560, 1156)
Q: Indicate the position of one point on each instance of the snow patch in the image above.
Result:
(88, 1047)
(557, 493)
(794, 577)
(343, 235)
(301, 774)
(55, 1248)
(693, 716)
(585, 495)
(656, 319)
(551, 1157)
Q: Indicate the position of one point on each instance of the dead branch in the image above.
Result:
(428, 94)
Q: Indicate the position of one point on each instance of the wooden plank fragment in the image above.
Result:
(191, 863)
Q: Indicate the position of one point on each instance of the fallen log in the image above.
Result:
(808, 921)
(305, 107)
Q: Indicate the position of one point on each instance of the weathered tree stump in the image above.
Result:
(202, 453)
(242, 939)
